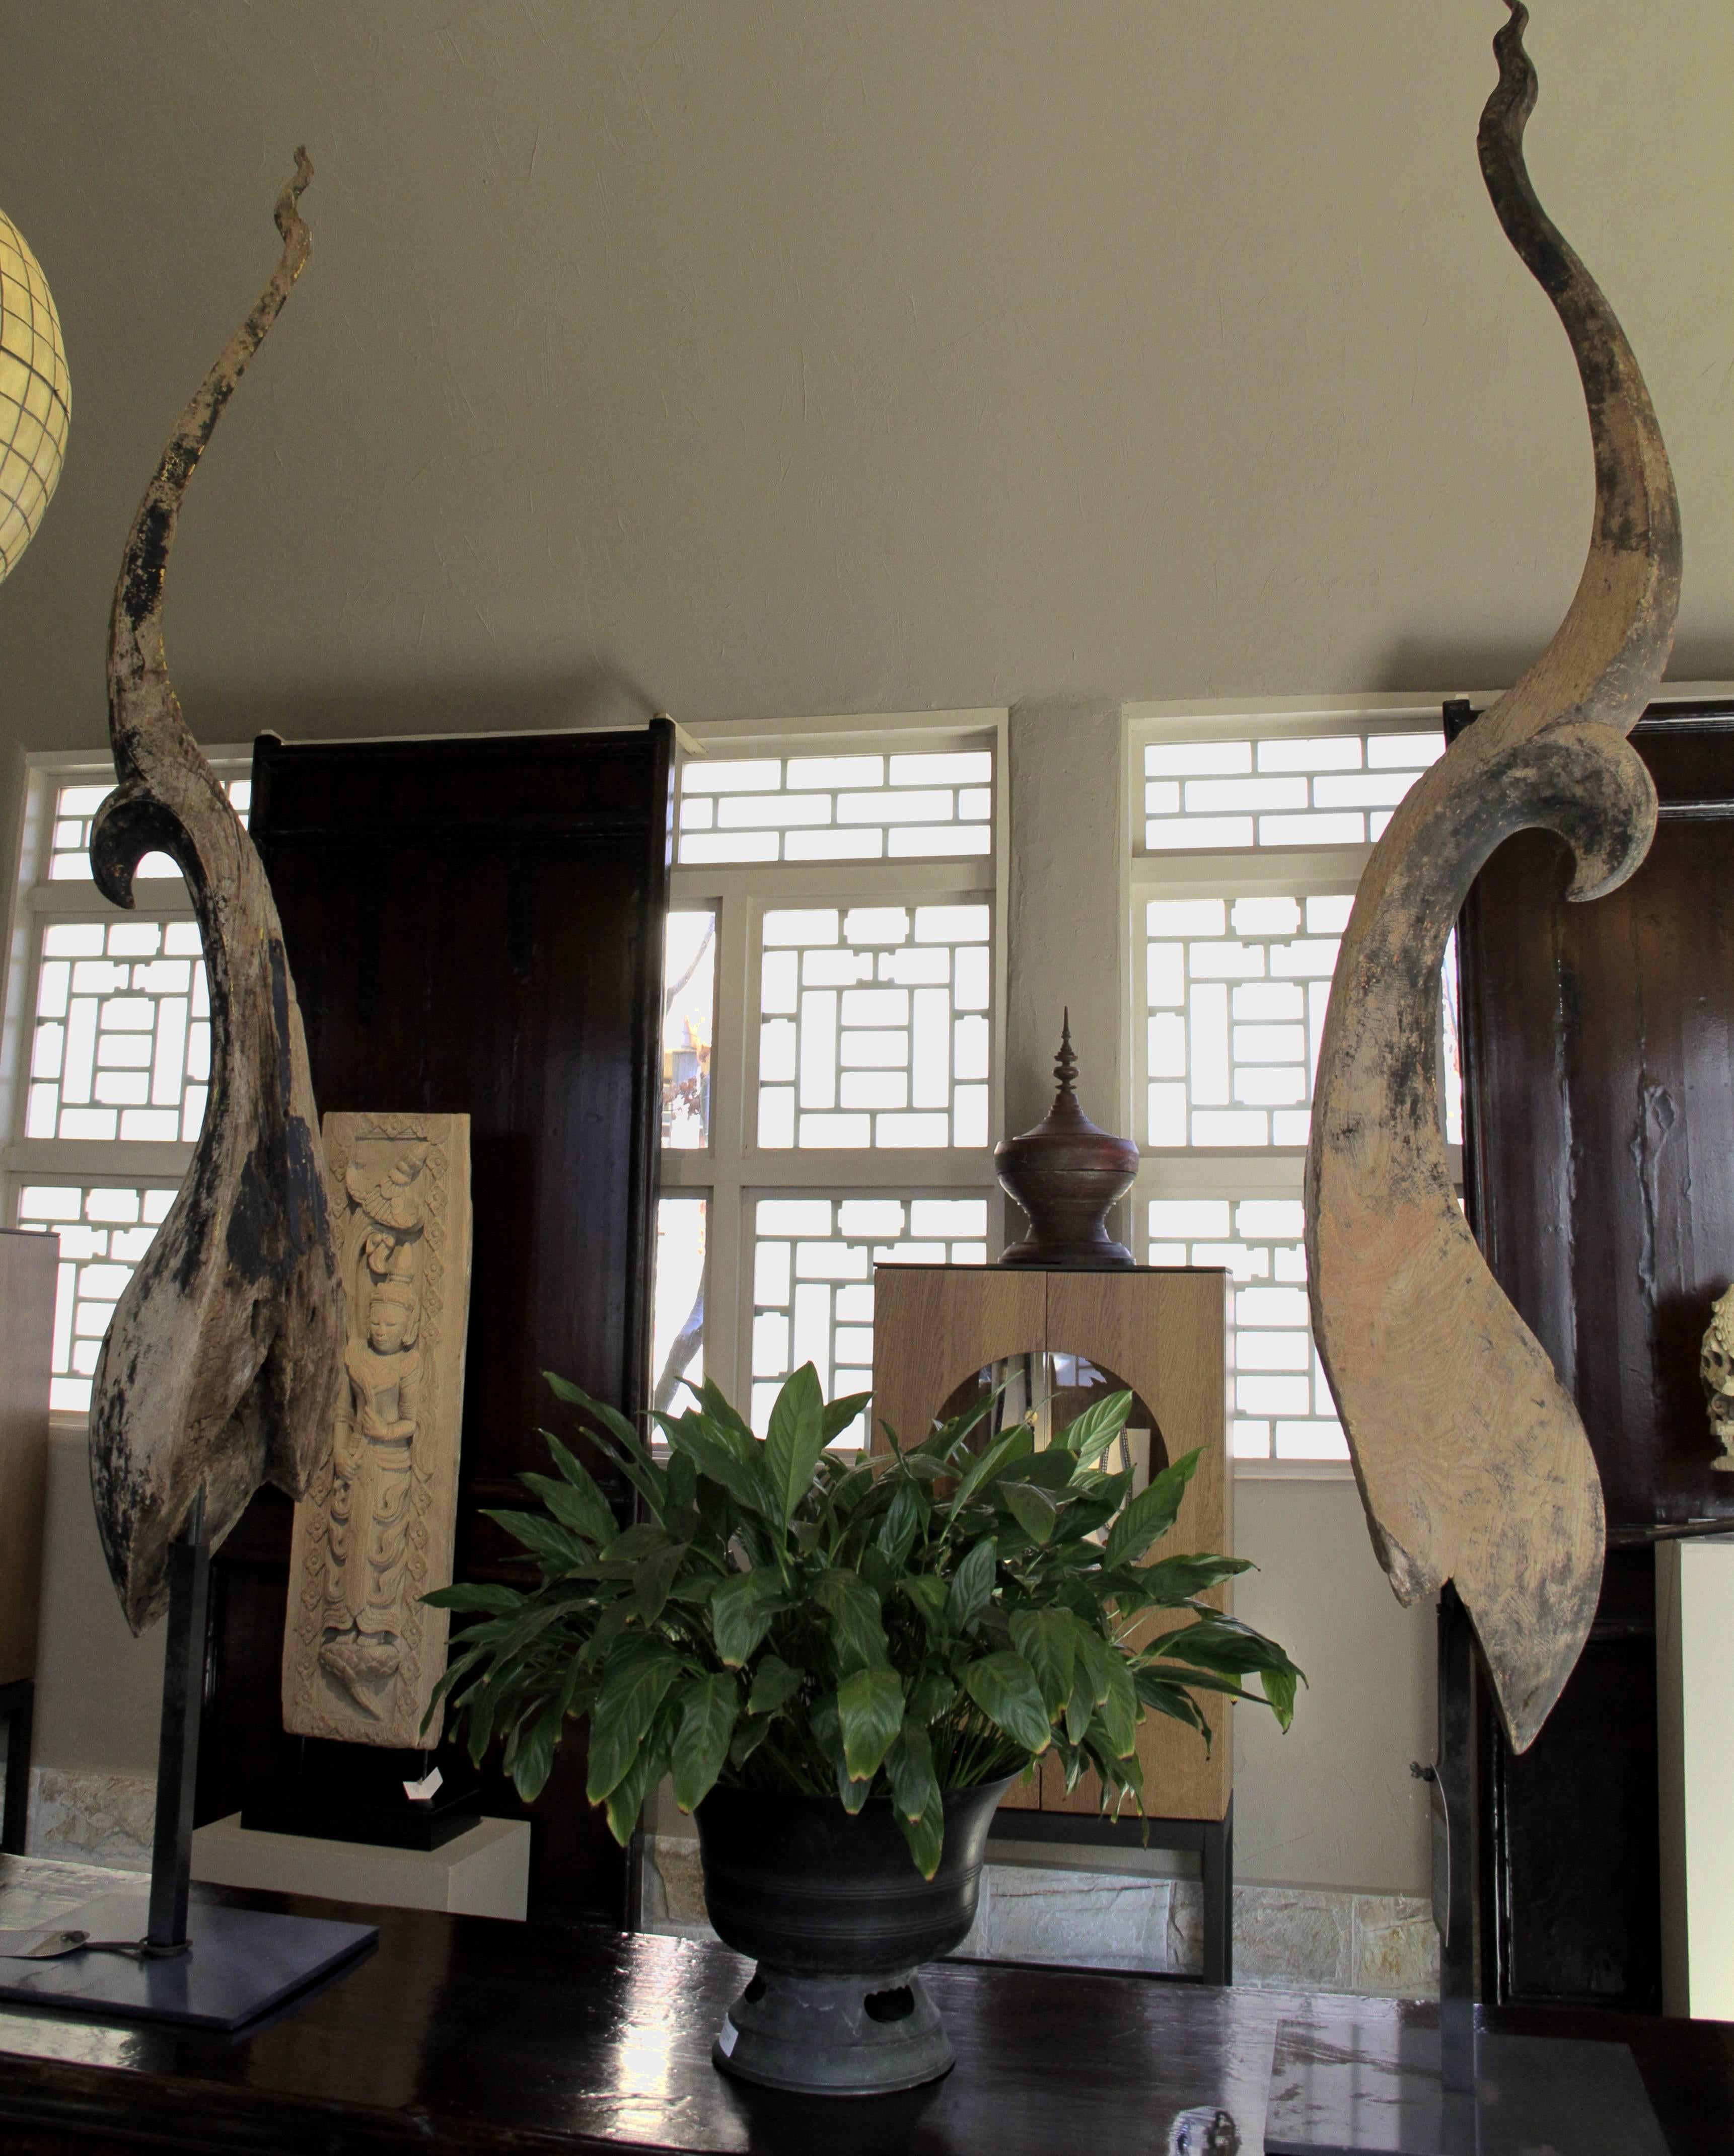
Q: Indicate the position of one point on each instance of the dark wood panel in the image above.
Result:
(462, 2034)
(476, 927)
(1598, 1052)
(1600, 1042)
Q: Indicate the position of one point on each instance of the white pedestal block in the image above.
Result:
(1695, 1726)
(483, 1873)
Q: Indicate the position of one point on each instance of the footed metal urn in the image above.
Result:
(831, 1906)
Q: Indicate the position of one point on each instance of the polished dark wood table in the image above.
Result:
(462, 2034)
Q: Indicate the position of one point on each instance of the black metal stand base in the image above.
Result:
(834, 2035)
(195, 1965)
(1388, 2094)
(237, 1964)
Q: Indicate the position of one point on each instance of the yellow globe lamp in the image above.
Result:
(35, 395)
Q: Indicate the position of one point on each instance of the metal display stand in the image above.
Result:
(168, 1959)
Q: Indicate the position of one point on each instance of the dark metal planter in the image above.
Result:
(833, 1910)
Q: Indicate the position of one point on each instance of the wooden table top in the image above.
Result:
(465, 2034)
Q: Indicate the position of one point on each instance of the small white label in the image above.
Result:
(726, 2038)
(420, 1793)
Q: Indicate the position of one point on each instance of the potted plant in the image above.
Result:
(843, 1663)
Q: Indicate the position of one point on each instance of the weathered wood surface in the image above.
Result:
(377, 1527)
(1472, 1462)
(222, 1364)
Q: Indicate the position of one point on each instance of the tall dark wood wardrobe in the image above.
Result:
(476, 926)
(1598, 1055)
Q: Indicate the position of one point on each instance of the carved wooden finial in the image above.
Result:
(1065, 1064)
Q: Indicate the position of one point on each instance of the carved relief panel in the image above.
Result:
(360, 1653)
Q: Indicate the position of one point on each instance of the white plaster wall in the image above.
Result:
(1332, 1804)
(748, 359)
(99, 1693)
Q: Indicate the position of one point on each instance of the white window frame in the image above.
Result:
(1299, 871)
(733, 1170)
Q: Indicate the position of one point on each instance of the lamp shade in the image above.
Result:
(35, 395)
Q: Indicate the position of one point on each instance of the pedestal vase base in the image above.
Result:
(834, 2035)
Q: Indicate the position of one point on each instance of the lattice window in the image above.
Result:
(1333, 790)
(104, 1231)
(689, 996)
(121, 1043)
(1283, 1408)
(813, 1262)
(1236, 991)
(74, 812)
(920, 805)
(874, 1026)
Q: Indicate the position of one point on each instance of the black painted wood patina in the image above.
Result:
(464, 2034)
(221, 1367)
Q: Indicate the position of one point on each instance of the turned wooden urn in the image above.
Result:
(1065, 1174)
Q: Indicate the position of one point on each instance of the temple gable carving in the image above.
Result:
(360, 1653)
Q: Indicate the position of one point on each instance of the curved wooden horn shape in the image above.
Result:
(1472, 1462)
(222, 1364)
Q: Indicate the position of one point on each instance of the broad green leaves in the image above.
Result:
(711, 1706)
(1004, 1687)
(740, 1614)
(1151, 1513)
(892, 1626)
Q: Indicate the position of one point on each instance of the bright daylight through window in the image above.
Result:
(1253, 837)
(829, 1057)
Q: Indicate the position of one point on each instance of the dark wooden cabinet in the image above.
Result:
(1598, 1055)
(476, 926)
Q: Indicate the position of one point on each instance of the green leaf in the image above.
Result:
(742, 1479)
(1088, 1436)
(470, 1595)
(555, 1545)
(740, 1613)
(853, 1794)
(839, 1413)
(870, 1708)
(748, 1738)
(631, 1692)
(901, 1525)
(712, 1705)
(972, 1585)
(1080, 1704)
(926, 1835)
(1004, 1686)
(794, 1437)
(1151, 1513)
(584, 1485)
(775, 1684)
(928, 1591)
(1046, 1639)
(931, 1696)
(999, 1455)
(656, 1577)
(910, 1769)
(1033, 1509)
(857, 1629)
(1174, 1580)
(626, 1800)
(1280, 1690)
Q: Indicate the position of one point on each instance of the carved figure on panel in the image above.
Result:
(1715, 1367)
(360, 1653)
